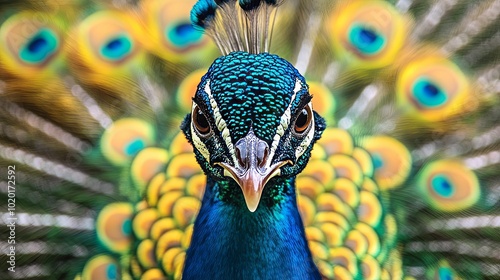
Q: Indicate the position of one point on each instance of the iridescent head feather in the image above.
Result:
(252, 111)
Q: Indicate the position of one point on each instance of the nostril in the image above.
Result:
(241, 156)
(251, 151)
(264, 160)
(262, 154)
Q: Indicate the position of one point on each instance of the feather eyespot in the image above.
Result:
(200, 122)
(303, 121)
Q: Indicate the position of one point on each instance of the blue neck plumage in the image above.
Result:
(230, 242)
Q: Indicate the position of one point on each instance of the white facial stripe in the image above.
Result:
(219, 122)
(298, 86)
(197, 141)
(285, 120)
(309, 137)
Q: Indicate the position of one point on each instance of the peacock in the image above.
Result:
(250, 139)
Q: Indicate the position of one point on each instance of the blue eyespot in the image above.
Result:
(445, 274)
(428, 94)
(112, 272)
(366, 40)
(378, 162)
(39, 47)
(134, 147)
(442, 186)
(182, 34)
(127, 227)
(117, 48)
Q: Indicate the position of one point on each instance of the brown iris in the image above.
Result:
(303, 120)
(200, 122)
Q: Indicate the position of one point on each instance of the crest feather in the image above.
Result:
(243, 25)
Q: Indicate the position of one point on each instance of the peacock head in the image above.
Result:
(252, 122)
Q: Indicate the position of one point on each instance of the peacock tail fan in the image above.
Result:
(99, 182)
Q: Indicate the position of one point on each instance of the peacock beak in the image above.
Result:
(252, 170)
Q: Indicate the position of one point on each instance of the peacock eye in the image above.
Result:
(303, 121)
(366, 40)
(200, 122)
